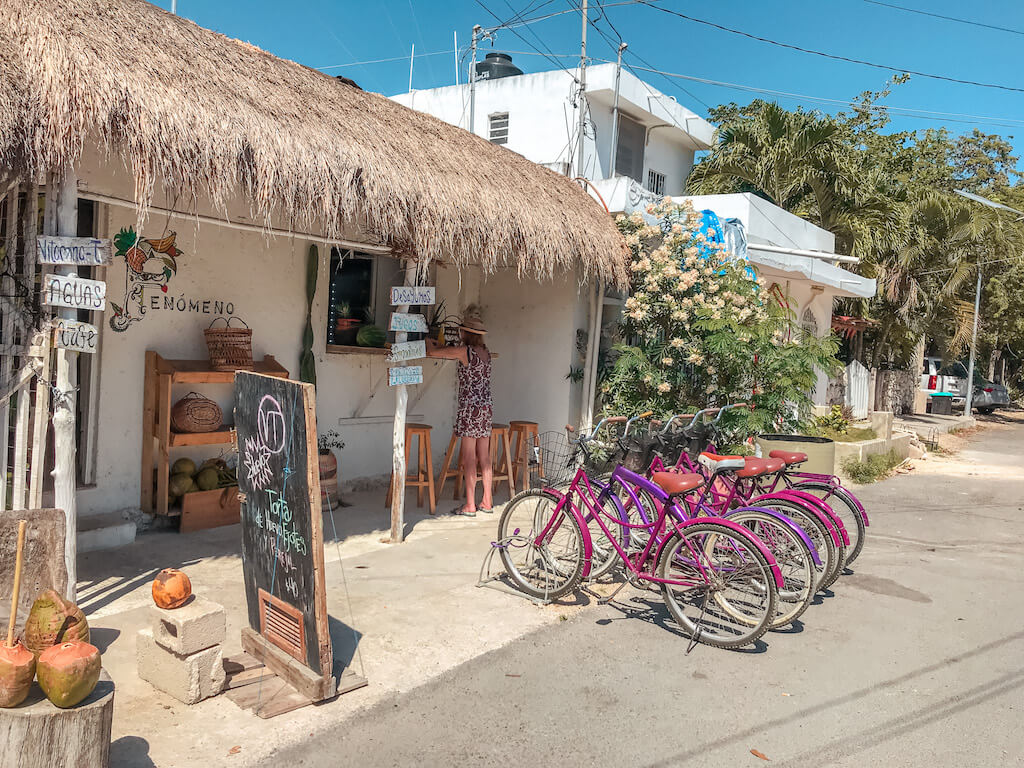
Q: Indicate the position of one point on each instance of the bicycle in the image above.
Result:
(719, 582)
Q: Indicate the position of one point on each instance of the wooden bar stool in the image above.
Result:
(422, 479)
(502, 458)
(524, 435)
(448, 470)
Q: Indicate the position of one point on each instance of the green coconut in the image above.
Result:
(17, 668)
(54, 620)
(184, 466)
(68, 672)
(208, 479)
(180, 484)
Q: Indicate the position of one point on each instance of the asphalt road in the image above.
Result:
(914, 660)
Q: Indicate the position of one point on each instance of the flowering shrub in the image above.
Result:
(700, 329)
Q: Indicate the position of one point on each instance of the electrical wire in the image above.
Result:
(549, 57)
(947, 18)
(834, 57)
(436, 53)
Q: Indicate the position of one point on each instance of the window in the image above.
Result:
(629, 156)
(656, 182)
(809, 323)
(498, 128)
(359, 294)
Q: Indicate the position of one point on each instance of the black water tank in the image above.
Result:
(496, 65)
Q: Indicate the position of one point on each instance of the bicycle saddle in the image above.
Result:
(676, 483)
(717, 463)
(754, 467)
(790, 457)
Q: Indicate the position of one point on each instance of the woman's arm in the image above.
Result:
(448, 353)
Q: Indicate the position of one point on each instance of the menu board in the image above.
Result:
(282, 524)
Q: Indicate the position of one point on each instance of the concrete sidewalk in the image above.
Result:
(403, 614)
(929, 425)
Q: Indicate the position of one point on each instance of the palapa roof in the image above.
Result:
(193, 111)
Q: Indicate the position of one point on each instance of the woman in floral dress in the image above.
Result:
(473, 421)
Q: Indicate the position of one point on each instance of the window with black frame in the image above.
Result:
(360, 297)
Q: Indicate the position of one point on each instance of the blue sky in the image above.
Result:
(327, 33)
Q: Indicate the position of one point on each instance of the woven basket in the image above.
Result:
(195, 413)
(230, 348)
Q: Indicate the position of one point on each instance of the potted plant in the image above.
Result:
(327, 443)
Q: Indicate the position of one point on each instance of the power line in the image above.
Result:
(947, 18)
(514, 32)
(832, 56)
(437, 53)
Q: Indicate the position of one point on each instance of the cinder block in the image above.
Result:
(191, 628)
(190, 678)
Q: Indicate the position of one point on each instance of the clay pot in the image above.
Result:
(171, 588)
(68, 672)
(54, 620)
(328, 479)
(17, 668)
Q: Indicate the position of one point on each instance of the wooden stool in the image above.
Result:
(502, 462)
(524, 435)
(423, 477)
(447, 470)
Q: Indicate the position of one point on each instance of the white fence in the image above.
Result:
(858, 381)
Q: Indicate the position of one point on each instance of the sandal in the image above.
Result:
(486, 510)
(461, 511)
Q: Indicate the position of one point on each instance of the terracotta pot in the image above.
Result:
(17, 668)
(171, 588)
(328, 479)
(54, 620)
(68, 672)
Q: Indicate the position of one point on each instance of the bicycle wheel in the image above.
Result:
(793, 558)
(816, 531)
(839, 499)
(723, 591)
(547, 567)
(604, 557)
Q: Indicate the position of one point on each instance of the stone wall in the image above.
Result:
(896, 391)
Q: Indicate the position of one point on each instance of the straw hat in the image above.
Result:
(471, 320)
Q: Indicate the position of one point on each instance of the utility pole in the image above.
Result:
(174, 7)
(472, 81)
(969, 399)
(412, 59)
(455, 37)
(583, 91)
(615, 114)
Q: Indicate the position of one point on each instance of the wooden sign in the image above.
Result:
(407, 350)
(71, 334)
(77, 251)
(74, 292)
(412, 295)
(412, 374)
(282, 536)
(409, 323)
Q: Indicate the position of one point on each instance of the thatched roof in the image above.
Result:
(194, 111)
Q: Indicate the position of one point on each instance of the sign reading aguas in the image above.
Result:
(76, 251)
(412, 374)
(407, 350)
(413, 295)
(74, 292)
(71, 334)
(410, 323)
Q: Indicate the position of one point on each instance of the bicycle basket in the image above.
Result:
(553, 460)
(638, 453)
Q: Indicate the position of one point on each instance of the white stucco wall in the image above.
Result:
(264, 280)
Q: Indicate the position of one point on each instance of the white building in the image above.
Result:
(536, 115)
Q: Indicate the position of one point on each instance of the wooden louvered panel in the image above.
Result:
(282, 625)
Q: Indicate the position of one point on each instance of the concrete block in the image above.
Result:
(189, 678)
(197, 625)
(106, 531)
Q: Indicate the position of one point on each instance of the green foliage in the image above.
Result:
(700, 329)
(849, 435)
(836, 420)
(875, 467)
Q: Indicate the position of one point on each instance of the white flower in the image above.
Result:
(667, 361)
(664, 387)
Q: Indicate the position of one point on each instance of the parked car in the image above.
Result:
(953, 378)
(988, 396)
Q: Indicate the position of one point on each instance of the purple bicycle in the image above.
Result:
(719, 581)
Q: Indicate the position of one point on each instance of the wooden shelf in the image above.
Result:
(199, 371)
(342, 349)
(217, 437)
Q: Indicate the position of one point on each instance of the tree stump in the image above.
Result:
(40, 735)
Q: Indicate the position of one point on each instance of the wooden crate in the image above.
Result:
(209, 509)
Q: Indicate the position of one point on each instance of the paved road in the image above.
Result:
(915, 660)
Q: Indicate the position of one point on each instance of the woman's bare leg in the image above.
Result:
(469, 468)
(483, 460)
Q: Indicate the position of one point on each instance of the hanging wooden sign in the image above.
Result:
(407, 350)
(74, 292)
(407, 322)
(71, 334)
(76, 251)
(412, 374)
(413, 295)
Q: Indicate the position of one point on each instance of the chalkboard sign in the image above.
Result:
(282, 536)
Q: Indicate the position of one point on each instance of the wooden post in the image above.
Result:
(65, 189)
(398, 436)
